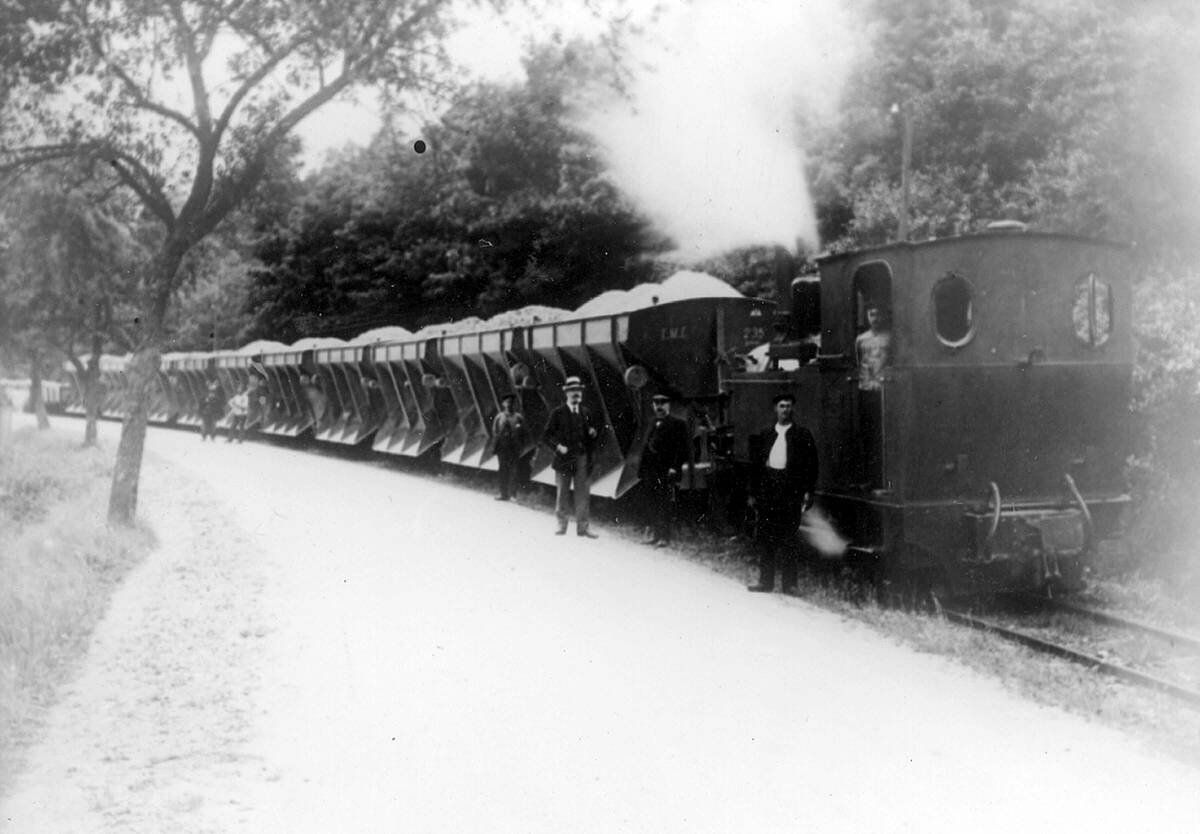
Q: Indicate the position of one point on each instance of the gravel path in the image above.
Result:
(324, 646)
(152, 734)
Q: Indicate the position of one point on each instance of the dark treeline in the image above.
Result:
(502, 204)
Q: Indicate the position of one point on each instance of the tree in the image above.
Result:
(250, 73)
(509, 206)
(1067, 114)
(69, 275)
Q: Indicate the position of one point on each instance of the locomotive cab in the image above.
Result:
(980, 433)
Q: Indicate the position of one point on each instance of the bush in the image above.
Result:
(1165, 467)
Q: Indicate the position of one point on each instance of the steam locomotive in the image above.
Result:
(989, 455)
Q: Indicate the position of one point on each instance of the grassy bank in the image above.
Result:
(59, 564)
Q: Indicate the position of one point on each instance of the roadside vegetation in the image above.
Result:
(59, 565)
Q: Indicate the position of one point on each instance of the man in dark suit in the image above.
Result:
(783, 476)
(663, 459)
(573, 431)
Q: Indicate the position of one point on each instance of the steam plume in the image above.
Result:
(709, 146)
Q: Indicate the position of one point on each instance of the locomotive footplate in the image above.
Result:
(1030, 547)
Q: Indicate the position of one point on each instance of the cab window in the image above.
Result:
(954, 310)
(1091, 312)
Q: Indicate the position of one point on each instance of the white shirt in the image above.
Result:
(778, 457)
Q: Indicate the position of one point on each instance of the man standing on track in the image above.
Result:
(573, 431)
(663, 459)
(783, 476)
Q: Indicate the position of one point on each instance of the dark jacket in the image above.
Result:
(666, 449)
(509, 433)
(212, 406)
(802, 466)
(579, 434)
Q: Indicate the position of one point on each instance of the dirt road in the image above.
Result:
(324, 646)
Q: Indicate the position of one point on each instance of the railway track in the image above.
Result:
(1129, 650)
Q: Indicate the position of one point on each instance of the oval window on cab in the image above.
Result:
(954, 310)
(1091, 312)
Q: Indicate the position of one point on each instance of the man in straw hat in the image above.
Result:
(663, 459)
(572, 431)
(783, 476)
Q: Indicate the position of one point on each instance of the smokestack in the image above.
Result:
(783, 268)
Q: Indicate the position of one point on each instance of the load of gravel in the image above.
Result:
(262, 346)
(681, 286)
(450, 328)
(313, 342)
(391, 333)
(525, 316)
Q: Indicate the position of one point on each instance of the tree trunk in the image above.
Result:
(37, 403)
(142, 375)
(91, 394)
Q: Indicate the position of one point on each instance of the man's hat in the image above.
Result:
(572, 383)
(778, 398)
(506, 397)
(660, 398)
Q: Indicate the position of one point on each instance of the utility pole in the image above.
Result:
(905, 167)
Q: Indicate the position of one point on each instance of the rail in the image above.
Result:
(1116, 670)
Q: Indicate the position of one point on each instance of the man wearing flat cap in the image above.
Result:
(509, 437)
(573, 431)
(783, 477)
(663, 458)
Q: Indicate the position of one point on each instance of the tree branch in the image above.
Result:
(140, 99)
(139, 180)
(187, 40)
(222, 14)
(252, 81)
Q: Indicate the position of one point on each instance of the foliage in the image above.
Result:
(70, 263)
(69, 276)
(188, 103)
(1166, 463)
(1049, 113)
(214, 293)
(509, 206)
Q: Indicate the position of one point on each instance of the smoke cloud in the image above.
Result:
(708, 147)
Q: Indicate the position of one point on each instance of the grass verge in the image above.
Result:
(59, 564)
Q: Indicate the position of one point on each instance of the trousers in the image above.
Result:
(507, 475)
(660, 506)
(777, 538)
(573, 478)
